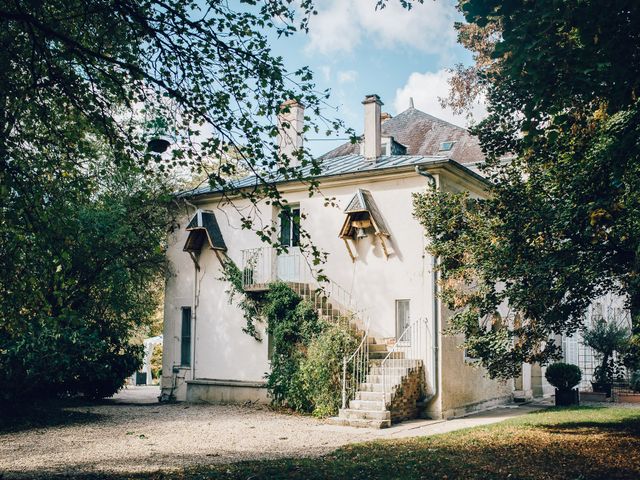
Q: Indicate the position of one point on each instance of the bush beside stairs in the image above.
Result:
(405, 378)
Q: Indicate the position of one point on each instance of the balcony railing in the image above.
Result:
(261, 266)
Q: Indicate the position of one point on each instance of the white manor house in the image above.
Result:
(378, 270)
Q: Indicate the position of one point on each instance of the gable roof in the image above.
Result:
(423, 135)
(204, 226)
(362, 202)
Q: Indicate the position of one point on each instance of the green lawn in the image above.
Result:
(580, 443)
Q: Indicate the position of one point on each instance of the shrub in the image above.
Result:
(606, 338)
(322, 368)
(635, 381)
(292, 324)
(563, 376)
(631, 353)
(156, 361)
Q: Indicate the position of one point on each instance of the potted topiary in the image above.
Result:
(564, 376)
(605, 338)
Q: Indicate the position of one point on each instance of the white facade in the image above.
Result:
(229, 365)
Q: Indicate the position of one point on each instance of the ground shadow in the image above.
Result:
(34, 417)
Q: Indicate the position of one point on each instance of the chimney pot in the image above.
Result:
(372, 131)
(290, 129)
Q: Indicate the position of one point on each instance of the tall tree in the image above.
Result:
(562, 222)
(84, 86)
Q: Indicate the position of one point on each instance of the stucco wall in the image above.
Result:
(223, 352)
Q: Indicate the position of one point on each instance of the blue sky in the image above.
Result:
(355, 50)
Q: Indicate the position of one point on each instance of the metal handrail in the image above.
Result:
(359, 361)
(263, 265)
(409, 352)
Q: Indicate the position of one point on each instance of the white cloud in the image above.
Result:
(347, 76)
(426, 89)
(326, 72)
(342, 24)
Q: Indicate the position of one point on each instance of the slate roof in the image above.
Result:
(423, 134)
(420, 132)
(204, 226)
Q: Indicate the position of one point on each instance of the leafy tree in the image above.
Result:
(80, 257)
(606, 338)
(561, 224)
(84, 86)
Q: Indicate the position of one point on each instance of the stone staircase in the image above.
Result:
(404, 379)
(371, 408)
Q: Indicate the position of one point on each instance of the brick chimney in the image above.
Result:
(290, 129)
(372, 133)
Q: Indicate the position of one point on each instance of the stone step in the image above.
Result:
(384, 354)
(377, 347)
(394, 371)
(390, 379)
(365, 405)
(350, 414)
(359, 423)
(372, 396)
(395, 362)
(370, 387)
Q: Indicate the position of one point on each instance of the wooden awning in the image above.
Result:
(204, 227)
(363, 213)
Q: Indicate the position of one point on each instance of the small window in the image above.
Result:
(446, 146)
(403, 318)
(269, 346)
(185, 338)
(290, 227)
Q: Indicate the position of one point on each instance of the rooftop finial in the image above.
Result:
(411, 102)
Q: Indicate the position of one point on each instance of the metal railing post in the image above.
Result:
(344, 382)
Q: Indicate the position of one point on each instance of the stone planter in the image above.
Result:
(566, 398)
(594, 397)
(602, 388)
(628, 397)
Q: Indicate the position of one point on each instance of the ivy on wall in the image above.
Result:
(249, 306)
(307, 352)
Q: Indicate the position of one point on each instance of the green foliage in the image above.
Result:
(606, 338)
(631, 353)
(292, 324)
(83, 257)
(306, 366)
(634, 383)
(156, 362)
(249, 306)
(563, 376)
(561, 222)
(321, 370)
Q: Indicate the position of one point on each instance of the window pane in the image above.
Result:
(185, 338)
(402, 317)
(285, 228)
(295, 227)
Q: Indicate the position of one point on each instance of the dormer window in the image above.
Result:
(446, 146)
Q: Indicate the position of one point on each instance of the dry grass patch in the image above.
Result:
(578, 443)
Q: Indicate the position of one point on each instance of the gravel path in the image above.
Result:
(133, 433)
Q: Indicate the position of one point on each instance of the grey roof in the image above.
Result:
(203, 226)
(348, 164)
(423, 134)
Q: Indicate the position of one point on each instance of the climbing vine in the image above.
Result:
(307, 352)
(249, 306)
(306, 365)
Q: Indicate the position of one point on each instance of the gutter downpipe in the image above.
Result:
(435, 313)
(196, 268)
